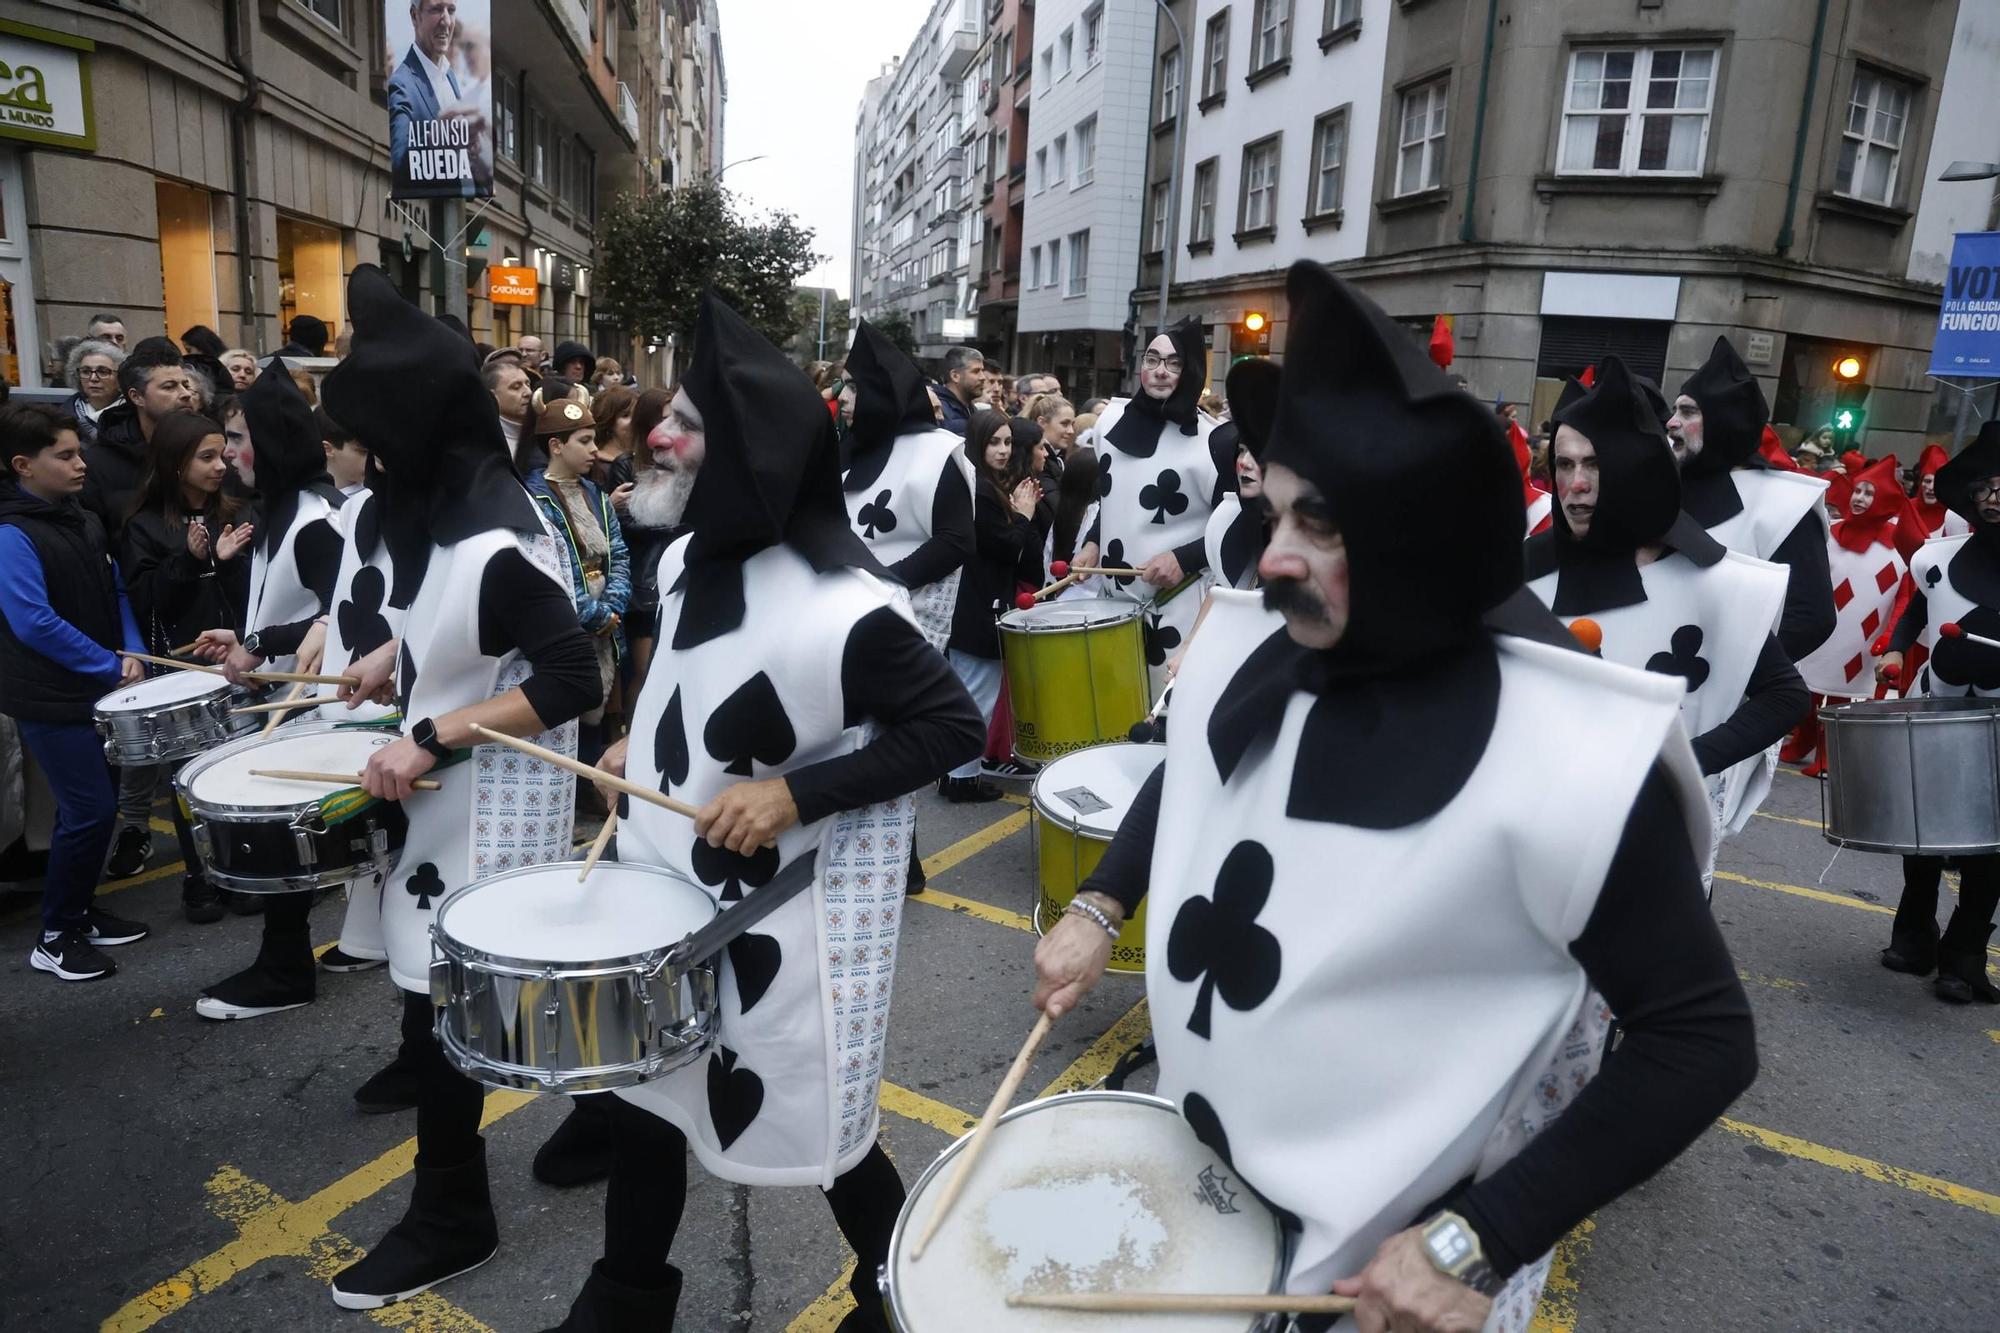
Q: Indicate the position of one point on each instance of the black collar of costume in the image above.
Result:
(1589, 580)
(1711, 497)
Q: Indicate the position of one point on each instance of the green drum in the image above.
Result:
(1076, 674)
(1079, 802)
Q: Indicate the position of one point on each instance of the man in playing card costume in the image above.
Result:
(1956, 582)
(1666, 595)
(1236, 532)
(1156, 486)
(490, 638)
(1746, 504)
(1374, 839)
(796, 703)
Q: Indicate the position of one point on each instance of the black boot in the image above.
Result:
(914, 881)
(391, 1088)
(284, 975)
(579, 1152)
(1961, 977)
(200, 901)
(608, 1306)
(1916, 954)
(449, 1229)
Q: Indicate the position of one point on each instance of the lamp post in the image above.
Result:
(716, 175)
(1174, 172)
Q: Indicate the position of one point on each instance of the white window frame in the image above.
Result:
(1065, 53)
(1636, 113)
(1201, 216)
(1215, 55)
(1085, 139)
(1048, 65)
(1077, 282)
(1338, 14)
(1328, 128)
(1052, 274)
(1041, 181)
(1093, 35)
(1034, 267)
(1261, 160)
(1873, 83)
(1270, 33)
(1432, 141)
(1059, 160)
(1156, 223)
(1170, 86)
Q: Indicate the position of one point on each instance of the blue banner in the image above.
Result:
(1968, 331)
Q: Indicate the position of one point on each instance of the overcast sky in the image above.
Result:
(796, 69)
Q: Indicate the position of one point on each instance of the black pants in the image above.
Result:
(448, 1103)
(648, 1192)
(1978, 894)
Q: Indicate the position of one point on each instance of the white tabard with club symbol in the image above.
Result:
(892, 511)
(278, 592)
(363, 617)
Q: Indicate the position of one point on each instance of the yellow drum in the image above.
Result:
(1076, 674)
(1079, 802)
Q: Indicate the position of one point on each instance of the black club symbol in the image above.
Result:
(1103, 474)
(1161, 640)
(1682, 658)
(424, 886)
(363, 628)
(876, 516)
(1114, 558)
(1163, 496)
(1219, 942)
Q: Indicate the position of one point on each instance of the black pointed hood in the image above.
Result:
(1137, 430)
(1252, 389)
(1733, 413)
(289, 457)
(890, 399)
(1976, 462)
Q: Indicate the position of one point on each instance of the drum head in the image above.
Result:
(1085, 1192)
(543, 914)
(176, 687)
(1083, 613)
(222, 777)
(1090, 790)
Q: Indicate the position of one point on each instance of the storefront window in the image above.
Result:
(187, 256)
(309, 272)
(17, 294)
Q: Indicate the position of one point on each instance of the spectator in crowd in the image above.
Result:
(346, 455)
(635, 486)
(1213, 403)
(63, 619)
(998, 392)
(608, 374)
(109, 328)
(93, 369)
(308, 386)
(508, 384)
(307, 337)
(963, 384)
(574, 362)
(1075, 506)
(531, 354)
(1057, 419)
(201, 340)
(1031, 463)
(612, 412)
(241, 363)
(1093, 406)
(153, 381)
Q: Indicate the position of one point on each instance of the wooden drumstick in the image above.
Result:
(597, 847)
(1175, 1302)
(170, 662)
(1026, 601)
(344, 779)
(1088, 570)
(276, 716)
(968, 1157)
(583, 770)
(289, 705)
(185, 648)
(301, 678)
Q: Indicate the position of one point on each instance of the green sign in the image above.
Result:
(45, 87)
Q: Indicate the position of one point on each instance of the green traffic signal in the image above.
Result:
(1844, 419)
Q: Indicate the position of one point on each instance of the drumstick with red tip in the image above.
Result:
(1954, 630)
(968, 1156)
(583, 770)
(1061, 568)
(342, 779)
(1182, 1302)
(1027, 600)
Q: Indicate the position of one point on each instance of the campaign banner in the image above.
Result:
(1968, 331)
(440, 98)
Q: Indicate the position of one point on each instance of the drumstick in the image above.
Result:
(170, 662)
(1087, 570)
(976, 1144)
(1176, 1302)
(1026, 601)
(1954, 630)
(288, 705)
(302, 678)
(344, 779)
(597, 847)
(277, 717)
(187, 647)
(597, 775)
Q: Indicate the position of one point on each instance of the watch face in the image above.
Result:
(1450, 1247)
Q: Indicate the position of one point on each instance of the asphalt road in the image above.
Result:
(201, 1176)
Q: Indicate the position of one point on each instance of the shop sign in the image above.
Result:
(45, 87)
(506, 285)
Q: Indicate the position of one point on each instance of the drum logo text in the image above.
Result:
(1212, 1188)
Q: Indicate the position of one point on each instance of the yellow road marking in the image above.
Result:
(926, 1110)
(1790, 819)
(828, 1308)
(973, 844)
(1818, 896)
(1775, 983)
(161, 825)
(1096, 1061)
(1557, 1313)
(999, 916)
(1994, 1033)
(1929, 1186)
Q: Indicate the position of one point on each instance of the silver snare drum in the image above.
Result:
(1917, 776)
(172, 717)
(545, 984)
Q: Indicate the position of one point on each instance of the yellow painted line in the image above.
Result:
(828, 1308)
(926, 1110)
(160, 825)
(999, 916)
(1929, 1186)
(1994, 1033)
(1790, 819)
(269, 1228)
(1557, 1313)
(1818, 896)
(1096, 1061)
(1775, 983)
(973, 844)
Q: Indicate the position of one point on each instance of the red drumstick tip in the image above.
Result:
(1588, 633)
(1950, 629)
(1026, 601)
(1892, 672)
(1059, 568)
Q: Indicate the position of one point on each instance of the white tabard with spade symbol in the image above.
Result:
(499, 810)
(892, 512)
(1865, 587)
(278, 592)
(1359, 1018)
(788, 1095)
(1952, 668)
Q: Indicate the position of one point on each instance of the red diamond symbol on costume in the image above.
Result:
(1853, 667)
(1885, 577)
(1842, 595)
(1871, 624)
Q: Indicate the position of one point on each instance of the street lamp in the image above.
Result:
(1963, 170)
(717, 173)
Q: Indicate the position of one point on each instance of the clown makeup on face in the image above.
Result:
(677, 446)
(1160, 368)
(1249, 477)
(1684, 429)
(679, 441)
(846, 401)
(238, 448)
(1862, 498)
(1304, 568)
(1574, 461)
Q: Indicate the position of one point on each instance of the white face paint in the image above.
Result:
(1160, 368)
(677, 446)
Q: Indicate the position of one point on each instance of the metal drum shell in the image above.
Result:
(1072, 686)
(1919, 777)
(572, 1027)
(137, 737)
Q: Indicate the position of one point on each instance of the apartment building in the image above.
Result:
(1003, 92)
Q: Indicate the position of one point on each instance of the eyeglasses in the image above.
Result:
(95, 372)
(1983, 491)
(1154, 361)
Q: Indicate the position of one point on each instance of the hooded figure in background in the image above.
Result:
(1935, 516)
(1408, 650)
(1726, 486)
(1236, 532)
(908, 484)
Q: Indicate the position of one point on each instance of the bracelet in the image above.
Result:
(1093, 913)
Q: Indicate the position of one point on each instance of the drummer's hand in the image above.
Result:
(238, 662)
(375, 672)
(1087, 557)
(612, 761)
(394, 767)
(1069, 960)
(130, 671)
(1889, 669)
(1163, 570)
(214, 644)
(1401, 1289)
(747, 816)
(312, 649)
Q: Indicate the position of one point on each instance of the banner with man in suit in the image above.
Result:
(440, 98)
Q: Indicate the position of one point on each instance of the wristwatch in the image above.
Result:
(253, 644)
(425, 733)
(1454, 1250)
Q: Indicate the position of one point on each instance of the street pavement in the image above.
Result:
(167, 1171)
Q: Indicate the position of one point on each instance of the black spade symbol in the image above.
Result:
(1163, 496)
(424, 886)
(876, 516)
(1219, 943)
(1683, 658)
(406, 677)
(1114, 558)
(1161, 640)
(735, 1095)
(1934, 576)
(755, 959)
(1104, 474)
(749, 727)
(1958, 662)
(670, 743)
(363, 627)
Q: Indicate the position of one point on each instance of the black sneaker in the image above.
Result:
(967, 791)
(338, 959)
(102, 928)
(71, 957)
(256, 991)
(129, 852)
(1009, 769)
(201, 902)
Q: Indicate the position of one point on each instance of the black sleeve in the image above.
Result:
(521, 607)
(1127, 864)
(1808, 618)
(1773, 702)
(1910, 625)
(1193, 556)
(1689, 1049)
(284, 640)
(1096, 526)
(951, 541)
(926, 724)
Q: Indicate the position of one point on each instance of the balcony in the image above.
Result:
(628, 110)
(575, 18)
(955, 51)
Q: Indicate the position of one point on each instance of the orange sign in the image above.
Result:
(511, 286)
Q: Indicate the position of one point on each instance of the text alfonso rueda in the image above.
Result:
(440, 150)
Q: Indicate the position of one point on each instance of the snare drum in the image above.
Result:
(171, 717)
(1076, 674)
(277, 835)
(549, 985)
(1090, 1191)
(1916, 776)
(1079, 801)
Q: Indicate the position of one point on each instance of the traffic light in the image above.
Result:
(1250, 336)
(1850, 397)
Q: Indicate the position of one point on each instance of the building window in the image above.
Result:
(1041, 170)
(1086, 150)
(1156, 212)
(1053, 273)
(506, 125)
(1059, 160)
(1339, 14)
(1607, 131)
(1870, 148)
(1215, 58)
(1329, 161)
(1170, 84)
(328, 10)
(1079, 264)
(187, 254)
(1034, 267)
(1048, 65)
(1273, 29)
(311, 275)
(1420, 150)
(1065, 52)
(1201, 226)
(1257, 208)
(538, 146)
(1093, 35)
